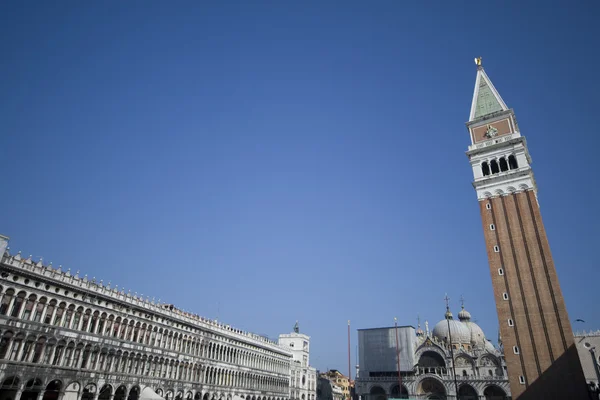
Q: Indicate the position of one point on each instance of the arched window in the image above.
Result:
(60, 348)
(86, 356)
(503, 164)
(4, 343)
(512, 162)
(68, 316)
(77, 318)
(16, 309)
(59, 312)
(39, 310)
(485, 169)
(29, 307)
(47, 319)
(6, 301)
(494, 167)
(93, 322)
(86, 320)
(101, 324)
(68, 360)
(39, 349)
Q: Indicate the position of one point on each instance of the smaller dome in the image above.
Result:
(419, 331)
(464, 315)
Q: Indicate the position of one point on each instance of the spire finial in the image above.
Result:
(296, 327)
(418, 321)
(462, 302)
(478, 61)
(448, 313)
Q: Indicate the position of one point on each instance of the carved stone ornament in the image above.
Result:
(486, 362)
(462, 362)
(491, 132)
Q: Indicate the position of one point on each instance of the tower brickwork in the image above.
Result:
(540, 353)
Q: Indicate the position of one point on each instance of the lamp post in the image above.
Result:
(448, 316)
(398, 358)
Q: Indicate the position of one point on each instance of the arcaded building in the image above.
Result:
(67, 337)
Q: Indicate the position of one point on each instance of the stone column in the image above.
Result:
(53, 314)
(80, 322)
(18, 394)
(63, 316)
(52, 353)
(9, 311)
(21, 349)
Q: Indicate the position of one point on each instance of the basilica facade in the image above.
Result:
(67, 337)
(453, 357)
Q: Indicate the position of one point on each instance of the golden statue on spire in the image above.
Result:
(478, 61)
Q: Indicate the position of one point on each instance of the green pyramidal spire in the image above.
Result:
(486, 99)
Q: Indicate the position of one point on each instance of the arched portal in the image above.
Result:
(9, 388)
(467, 392)
(431, 389)
(397, 394)
(32, 389)
(52, 390)
(377, 393)
(105, 392)
(493, 392)
(197, 396)
(134, 393)
(120, 393)
(89, 391)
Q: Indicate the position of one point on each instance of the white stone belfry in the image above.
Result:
(498, 153)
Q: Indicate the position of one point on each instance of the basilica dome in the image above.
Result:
(459, 331)
(476, 335)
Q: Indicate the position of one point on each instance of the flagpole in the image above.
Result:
(349, 365)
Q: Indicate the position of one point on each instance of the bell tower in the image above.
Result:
(538, 342)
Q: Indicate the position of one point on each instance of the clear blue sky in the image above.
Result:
(267, 162)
